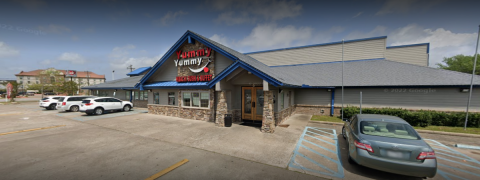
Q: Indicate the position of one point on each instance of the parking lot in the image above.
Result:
(136, 145)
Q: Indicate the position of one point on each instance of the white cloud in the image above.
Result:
(377, 31)
(251, 11)
(169, 17)
(443, 43)
(358, 14)
(73, 58)
(56, 29)
(124, 56)
(271, 36)
(75, 38)
(7, 51)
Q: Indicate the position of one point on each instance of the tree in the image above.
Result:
(460, 63)
(69, 87)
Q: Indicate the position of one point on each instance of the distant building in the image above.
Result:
(50, 75)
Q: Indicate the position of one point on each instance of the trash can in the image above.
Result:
(228, 120)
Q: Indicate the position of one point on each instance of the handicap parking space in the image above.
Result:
(453, 164)
(317, 153)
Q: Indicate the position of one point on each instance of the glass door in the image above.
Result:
(252, 103)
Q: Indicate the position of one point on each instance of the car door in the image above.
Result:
(101, 103)
(351, 133)
(115, 103)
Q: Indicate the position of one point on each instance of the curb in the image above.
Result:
(418, 130)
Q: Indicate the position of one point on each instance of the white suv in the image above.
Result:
(49, 103)
(71, 103)
(99, 105)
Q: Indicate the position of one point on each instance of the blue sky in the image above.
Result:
(106, 35)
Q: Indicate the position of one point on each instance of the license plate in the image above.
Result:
(394, 154)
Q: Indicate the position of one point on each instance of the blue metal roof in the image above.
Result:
(174, 84)
(139, 71)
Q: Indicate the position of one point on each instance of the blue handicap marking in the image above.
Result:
(448, 157)
(318, 152)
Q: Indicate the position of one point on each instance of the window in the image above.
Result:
(145, 95)
(28, 82)
(140, 95)
(127, 95)
(171, 98)
(196, 99)
(156, 98)
(388, 129)
(52, 79)
(136, 95)
(281, 100)
(28, 78)
(21, 78)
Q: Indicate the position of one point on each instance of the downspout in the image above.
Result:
(332, 110)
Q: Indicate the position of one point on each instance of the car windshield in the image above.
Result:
(388, 129)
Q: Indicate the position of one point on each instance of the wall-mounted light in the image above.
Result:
(149, 90)
(115, 90)
(329, 90)
(322, 111)
(280, 90)
(464, 90)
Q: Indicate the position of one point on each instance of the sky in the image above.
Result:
(103, 36)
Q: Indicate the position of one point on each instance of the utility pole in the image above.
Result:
(131, 68)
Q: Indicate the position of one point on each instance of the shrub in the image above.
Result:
(421, 118)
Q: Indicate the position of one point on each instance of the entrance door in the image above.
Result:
(252, 103)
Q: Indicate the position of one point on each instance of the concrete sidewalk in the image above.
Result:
(245, 142)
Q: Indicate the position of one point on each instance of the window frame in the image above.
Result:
(168, 98)
(199, 99)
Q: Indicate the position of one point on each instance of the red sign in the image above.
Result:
(71, 73)
(191, 54)
(199, 78)
(9, 90)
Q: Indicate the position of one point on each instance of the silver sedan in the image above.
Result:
(390, 144)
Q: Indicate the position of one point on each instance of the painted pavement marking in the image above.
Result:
(447, 155)
(165, 171)
(27, 130)
(84, 117)
(307, 155)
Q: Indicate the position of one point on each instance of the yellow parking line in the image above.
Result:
(1, 134)
(9, 114)
(165, 171)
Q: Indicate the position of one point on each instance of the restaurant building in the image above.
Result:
(200, 79)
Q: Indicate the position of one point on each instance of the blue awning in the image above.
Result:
(139, 71)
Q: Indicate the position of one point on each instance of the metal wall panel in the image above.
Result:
(167, 72)
(313, 97)
(410, 98)
(411, 54)
(368, 49)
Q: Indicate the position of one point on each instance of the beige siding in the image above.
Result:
(368, 49)
(166, 72)
(445, 99)
(313, 97)
(412, 55)
(221, 62)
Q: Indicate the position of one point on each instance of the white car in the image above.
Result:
(71, 103)
(49, 103)
(99, 105)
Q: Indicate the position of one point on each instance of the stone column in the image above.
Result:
(268, 121)
(221, 109)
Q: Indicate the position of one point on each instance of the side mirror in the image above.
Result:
(346, 120)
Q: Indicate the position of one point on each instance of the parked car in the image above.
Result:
(71, 103)
(390, 144)
(99, 105)
(49, 103)
(49, 93)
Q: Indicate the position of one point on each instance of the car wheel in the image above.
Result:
(126, 108)
(343, 133)
(52, 107)
(74, 108)
(98, 111)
